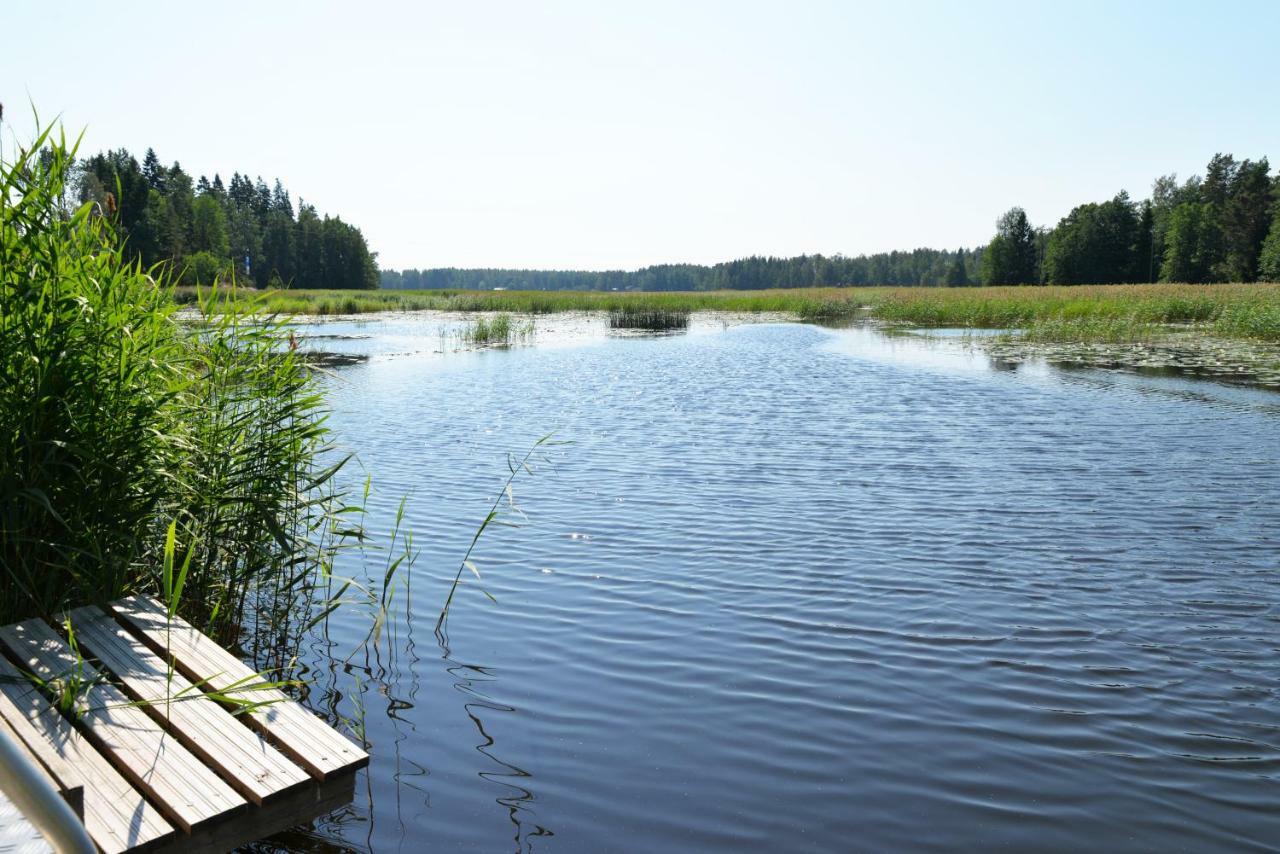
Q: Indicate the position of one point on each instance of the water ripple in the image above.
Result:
(797, 590)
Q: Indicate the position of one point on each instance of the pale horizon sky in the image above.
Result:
(577, 135)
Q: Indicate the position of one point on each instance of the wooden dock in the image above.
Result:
(150, 758)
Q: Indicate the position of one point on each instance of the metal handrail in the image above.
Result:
(31, 791)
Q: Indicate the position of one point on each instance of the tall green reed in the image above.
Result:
(649, 320)
(133, 441)
(528, 464)
(499, 330)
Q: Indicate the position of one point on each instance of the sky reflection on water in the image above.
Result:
(793, 588)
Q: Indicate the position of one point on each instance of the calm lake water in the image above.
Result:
(800, 589)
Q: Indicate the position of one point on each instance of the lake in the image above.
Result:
(805, 589)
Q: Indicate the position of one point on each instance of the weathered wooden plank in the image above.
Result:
(191, 795)
(319, 798)
(243, 758)
(117, 817)
(304, 737)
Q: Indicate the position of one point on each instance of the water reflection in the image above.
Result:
(474, 681)
(806, 589)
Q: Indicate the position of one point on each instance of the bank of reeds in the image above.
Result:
(808, 302)
(117, 421)
(497, 331)
(649, 320)
(1084, 312)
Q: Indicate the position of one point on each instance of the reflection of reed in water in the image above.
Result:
(327, 679)
(375, 668)
(471, 680)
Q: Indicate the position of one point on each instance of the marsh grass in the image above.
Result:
(1109, 330)
(497, 331)
(1102, 313)
(807, 302)
(650, 320)
(1231, 310)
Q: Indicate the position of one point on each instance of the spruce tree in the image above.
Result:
(1010, 258)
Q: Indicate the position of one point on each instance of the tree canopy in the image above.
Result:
(1011, 256)
(1096, 243)
(209, 231)
(928, 267)
(1224, 226)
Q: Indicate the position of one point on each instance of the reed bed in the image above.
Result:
(498, 331)
(120, 423)
(809, 302)
(649, 320)
(1091, 312)
(1088, 312)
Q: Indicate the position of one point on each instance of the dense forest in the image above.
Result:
(917, 267)
(1222, 227)
(207, 230)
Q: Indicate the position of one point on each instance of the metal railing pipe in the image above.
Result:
(32, 792)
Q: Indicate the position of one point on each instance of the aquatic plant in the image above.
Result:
(119, 423)
(1235, 311)
(499, 330)
(651, 320)
(526, 464)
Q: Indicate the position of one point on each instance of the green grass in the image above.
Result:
(1090, 312)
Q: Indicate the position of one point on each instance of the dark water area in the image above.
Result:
(797, 589)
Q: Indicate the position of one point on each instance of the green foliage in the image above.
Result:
(917, 267)
(132, 443)
(1214, 230)
(957, 274)
(1010, 258)
(209, 227)
(1193, 244)
(206, 268)
(1245, 216)
(1269, 258)
(1096, 243)
(166, 218)
(498, 330)
(88, 377)
(1108, 242)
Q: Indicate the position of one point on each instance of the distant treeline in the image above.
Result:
(207, 230)
(917, 267)
(1223, 227)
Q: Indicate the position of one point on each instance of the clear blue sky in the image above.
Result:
(603, 135)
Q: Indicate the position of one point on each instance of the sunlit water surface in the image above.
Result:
(798, 589)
